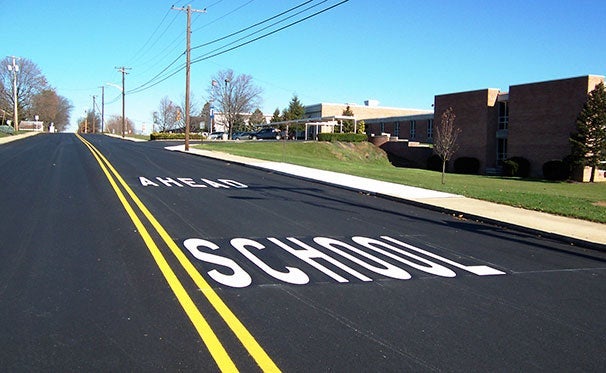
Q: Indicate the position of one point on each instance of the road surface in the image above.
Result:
(124, 256)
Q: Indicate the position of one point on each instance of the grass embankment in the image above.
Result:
(580, 200)
(4, 134)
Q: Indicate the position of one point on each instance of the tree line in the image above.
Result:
(35, 97)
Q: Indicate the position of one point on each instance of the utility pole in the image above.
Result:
(189, 10)
(102, 108)
(14, 68)
(93, 129)
(123, 71)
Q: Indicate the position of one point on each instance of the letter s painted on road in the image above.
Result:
(239, 279)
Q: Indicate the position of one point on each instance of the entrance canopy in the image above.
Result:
(316, 123)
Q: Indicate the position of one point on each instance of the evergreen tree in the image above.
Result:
(276, 117)
(295, 109)
(589, 143)
(256, 118)
(239, 124)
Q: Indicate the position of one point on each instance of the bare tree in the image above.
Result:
(167, 116)
(234, 95)
(445, 143)
(114, 125)
(30, 82)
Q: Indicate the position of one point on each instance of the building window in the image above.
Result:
(501, 150)
(503, 115)
(430, 129)
(396, 130)
(413, 129)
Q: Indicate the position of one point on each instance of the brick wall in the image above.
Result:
(476, 116)
(543, 115)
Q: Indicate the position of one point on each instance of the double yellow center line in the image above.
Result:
(203, 328)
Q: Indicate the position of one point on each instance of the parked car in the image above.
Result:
(242, 136)
(218, 136)
(267, 133)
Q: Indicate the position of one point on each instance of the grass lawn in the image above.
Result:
(580, 200)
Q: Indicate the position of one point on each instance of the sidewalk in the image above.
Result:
(7, 139)
(570, 230)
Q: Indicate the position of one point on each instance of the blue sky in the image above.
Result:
(398, 52)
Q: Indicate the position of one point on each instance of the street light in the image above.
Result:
(15, 68)
(115, 86)
(226, 107)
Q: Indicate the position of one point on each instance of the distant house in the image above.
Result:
(31, 125)
(220, 121)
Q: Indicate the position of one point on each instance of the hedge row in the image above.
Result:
(343, 137)
(174, 136)
(467, 165)
(555, 170)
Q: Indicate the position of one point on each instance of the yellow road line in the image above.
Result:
(246, 338)
(208, 336)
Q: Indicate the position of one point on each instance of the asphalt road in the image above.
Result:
(124, 256)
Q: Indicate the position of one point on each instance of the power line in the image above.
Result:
(168, 49)
(207, 56)
(255, 25)
(150, 83)
(225, 15)
(153, 33)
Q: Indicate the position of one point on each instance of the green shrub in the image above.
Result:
(510, 168)
(7, 129)
(467, 165)
(556, 170)
(516, 166)
(343, 137)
